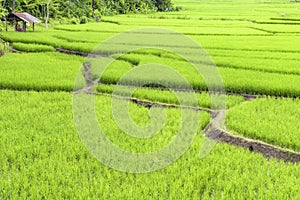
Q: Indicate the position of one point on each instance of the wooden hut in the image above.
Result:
(24, 17)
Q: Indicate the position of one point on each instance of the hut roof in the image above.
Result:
(23, 16)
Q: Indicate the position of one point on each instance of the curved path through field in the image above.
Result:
(221, 135)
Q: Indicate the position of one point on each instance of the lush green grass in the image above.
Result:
(258, 64)
(166, 96)
(277, 62)
(118, 69)
(39, 71)
(275, 121)
(276, 43)
(48, 38)
(140, 116)
(248, 54)
(237, 10)
(279, 28)
(43, 157)
(95, 27)
(256, 82)
(38, 37)
(195, 27)
(27, 47)
(258, 79)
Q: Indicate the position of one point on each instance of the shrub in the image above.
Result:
(83, 20)
(4, 47)
(74, 20)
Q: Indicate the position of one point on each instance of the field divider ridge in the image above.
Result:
(267, 150)
(149, 104)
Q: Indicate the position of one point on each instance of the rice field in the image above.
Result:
(253, 45)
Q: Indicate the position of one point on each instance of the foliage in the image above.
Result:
(3, 11)
(128, 6)
(4, 47)
(88, 8)
(163, 5)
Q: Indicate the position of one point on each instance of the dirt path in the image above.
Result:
(90, 83)
(214, 131)
(149, 104)
(267, 150)
(78, 53)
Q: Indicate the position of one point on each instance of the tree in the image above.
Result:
(3, 11)
(77, 10)
(47, 13)
(13, 5)
(93, 8)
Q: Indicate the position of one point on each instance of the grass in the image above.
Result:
(239, 76)
(42, 157)
(32, 47)
(39, 71)
(256, 82)
(56, 39)
(258, 64)
(271, 120)
(166, 96)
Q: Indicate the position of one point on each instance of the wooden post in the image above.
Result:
(24, 26)
(33, 26)
(15, 25)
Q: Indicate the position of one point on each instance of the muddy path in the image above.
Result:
(78, 53)
(149, 104)
(90, 82)
(267, 150)
(215, 131)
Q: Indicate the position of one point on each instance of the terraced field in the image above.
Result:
(251, 153)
